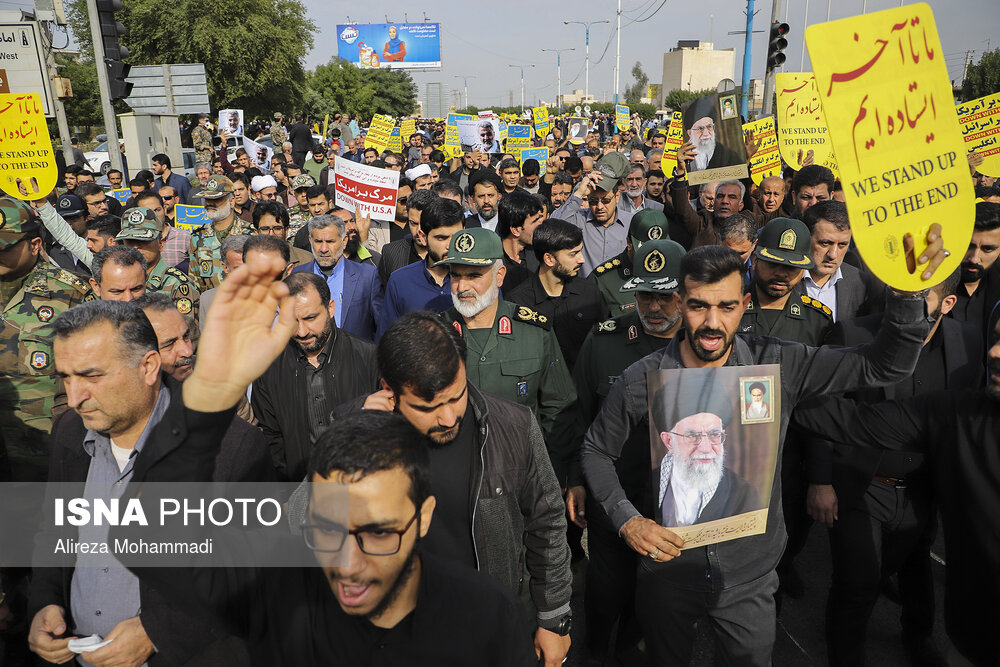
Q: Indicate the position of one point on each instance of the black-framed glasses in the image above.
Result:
(716, 436)
(330, 538)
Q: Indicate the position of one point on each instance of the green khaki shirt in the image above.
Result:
(609, 277)
(803, 319)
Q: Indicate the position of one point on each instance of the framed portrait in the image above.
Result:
(757, 399)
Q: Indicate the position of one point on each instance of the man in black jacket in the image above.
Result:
(383, 601)
(322, 367)
(106, 352)
(499, 511)
(301, 138)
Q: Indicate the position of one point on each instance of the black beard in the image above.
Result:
(397, 586)
(967, 271)
(321, 339)
(563, 275)
(353, 243)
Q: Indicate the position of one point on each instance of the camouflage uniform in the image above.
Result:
(298, 216)
(205, 266)
(201, 139)
(278, 134)
(176, 284)
(30, 391)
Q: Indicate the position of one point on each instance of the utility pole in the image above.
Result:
(521, 67)
(45, 33)
(745, 104)
(110, 121)
(465, 81)
(559, 76)
(805, 24)
(769, 76)
(586, 80)
(618, 51)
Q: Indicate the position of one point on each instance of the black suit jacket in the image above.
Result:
(849, 468)
(852, 293)
(180, 637)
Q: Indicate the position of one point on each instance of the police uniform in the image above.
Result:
(205, 267)
(201, 139)
(646, 225)
(518, 357)
(28, 393)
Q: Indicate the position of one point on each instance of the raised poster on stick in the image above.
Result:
(369, 191)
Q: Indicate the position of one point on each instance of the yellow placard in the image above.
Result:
(766, 161)
(25, 147)
(622, 117)
(675, 139)
(379, 131)
(980, 121)
(801, 126)
(395, 141)
(540, 115)
(451, 131)
(326, 125)
(887, 99)
(407, 128)
(451, 151)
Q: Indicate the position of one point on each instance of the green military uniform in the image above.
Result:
(518, 357)
(205, 267)
(30, 389)
(201, 139)
(803, 319)
(278, 134)
(646, 225)
(298, 216)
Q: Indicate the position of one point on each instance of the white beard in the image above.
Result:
(706, 149)
(220, 213)
(482, 302)
(701, 477)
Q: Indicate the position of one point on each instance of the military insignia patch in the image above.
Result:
(458, 327)
(206, 267)
(616, 261)
(522, 388)
(183, 306)
(607, 325)
(795, 310)
(504, 326)
(465, 242)
(627, 272)
(655, 233)
(212, 184)
(135, 217)
(633, 332)
(183, 290)
(787, 241)
(527, 314)
(45, 313)
(3, 219)
(654, 261)
(39, 360)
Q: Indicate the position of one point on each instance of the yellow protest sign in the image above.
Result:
(25, 147)
(395, 141)
(766, 161)
(451, 151)
(980, 121)
(887, 98)
(540, 115)
(407, 128)
(326, 124)
(379, 131)
(675, 138)
(801, 126)
(518, 139)
(451, 130)
(622, 117)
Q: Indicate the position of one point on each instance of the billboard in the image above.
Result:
(390, 45)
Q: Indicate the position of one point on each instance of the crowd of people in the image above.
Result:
(474, 371)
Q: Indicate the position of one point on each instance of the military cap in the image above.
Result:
(70, 205)
(17, 220)
(277, 115)
(785, 241)
(140, 224)
(647, 225)
(303, 181)
(656, 268)
(612, 168)
(473, 247)
(216, 187)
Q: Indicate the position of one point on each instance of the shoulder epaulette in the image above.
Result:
(177, 273)
(605, 327)
(72, 280)
(525, 314)
(816, 304)
(607, 266)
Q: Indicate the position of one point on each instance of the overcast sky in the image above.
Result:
(482, 40)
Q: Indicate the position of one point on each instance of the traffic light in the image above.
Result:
(114, 52)
(777, 45)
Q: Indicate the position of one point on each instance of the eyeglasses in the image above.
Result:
(402, 200)
(716, 436)
(701, 129)
(277, 229)
(593, 201)
(166, 197)
(329, 538)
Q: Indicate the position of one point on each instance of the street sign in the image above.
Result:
(169, 89)
(21, 55)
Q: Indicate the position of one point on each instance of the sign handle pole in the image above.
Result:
(769, 76)
(110, 120)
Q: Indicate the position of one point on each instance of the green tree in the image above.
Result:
(983, 78)
(677, 97)
(363, 91)
(637, 90)
(253, 50)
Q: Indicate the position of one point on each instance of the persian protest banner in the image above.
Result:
(540, 154)
(518, 138)
(190, 217)
(407, 128)
(731, 415)
(451, 129)
(121, 194)
(622, 116)
(980, 121)
(25, 147)
(767, 160)
(800, 122)
(395, 141)
(368, 190)
(675, 138)
(540, 116)
(379, 131)
(887, 98)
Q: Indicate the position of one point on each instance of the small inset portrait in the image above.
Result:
(758, 400)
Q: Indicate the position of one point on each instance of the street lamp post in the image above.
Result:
(586, 24)
(559, 76)
(521, 67)
(465, 81)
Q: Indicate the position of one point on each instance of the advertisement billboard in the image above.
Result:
(390, 45)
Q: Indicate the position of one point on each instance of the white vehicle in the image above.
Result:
(98, 160)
